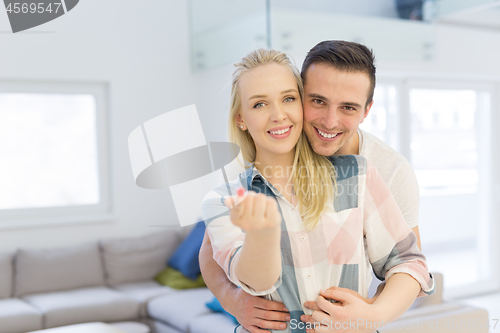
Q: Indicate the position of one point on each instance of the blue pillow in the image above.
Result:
(215, 306)
(185, 258)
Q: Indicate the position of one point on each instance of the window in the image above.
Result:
(450, 150)
(53, 153)
(444, 140)
(444, 130)
(383, 120)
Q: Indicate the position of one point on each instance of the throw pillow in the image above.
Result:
(175, 279)
(57, 269)
(185, 258)
(140, 258)
(6, 274)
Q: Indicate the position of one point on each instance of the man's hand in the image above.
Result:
(351, 309)
(257, 314)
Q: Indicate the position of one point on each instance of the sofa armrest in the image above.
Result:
(442, 318)
(436, 298)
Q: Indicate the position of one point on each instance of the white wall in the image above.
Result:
(460, 51)
(142, 51)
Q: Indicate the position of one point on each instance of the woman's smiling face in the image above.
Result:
(271, 109)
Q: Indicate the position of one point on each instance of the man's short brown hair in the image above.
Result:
(344, 56)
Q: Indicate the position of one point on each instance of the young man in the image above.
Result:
(339, 81)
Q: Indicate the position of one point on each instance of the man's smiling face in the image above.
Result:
(334, 106)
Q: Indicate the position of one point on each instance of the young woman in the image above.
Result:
(302, 226)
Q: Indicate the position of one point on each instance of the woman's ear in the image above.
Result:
(239, 121)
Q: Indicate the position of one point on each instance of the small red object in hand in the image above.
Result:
(240, 191)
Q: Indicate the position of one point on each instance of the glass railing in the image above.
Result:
(223, 31)
(446, 7)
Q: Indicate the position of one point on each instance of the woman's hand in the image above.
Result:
(352, 313)
(254, 212)
(258, 263)
(313, 306)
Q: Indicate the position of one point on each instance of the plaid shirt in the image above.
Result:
(363, 213)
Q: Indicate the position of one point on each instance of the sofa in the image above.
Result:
(433, 314)
(112, 280)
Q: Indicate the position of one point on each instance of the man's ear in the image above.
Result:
(367, 110)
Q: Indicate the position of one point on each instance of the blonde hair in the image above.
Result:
(313, 174)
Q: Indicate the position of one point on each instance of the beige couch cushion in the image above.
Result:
(5, 275)
(46, 270)
(84, 305)
(18, 316)
(138, 259)
(144, 291)
(179, 309)
(212, 323)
